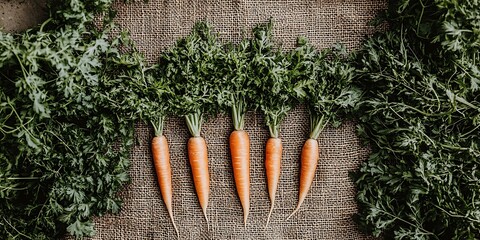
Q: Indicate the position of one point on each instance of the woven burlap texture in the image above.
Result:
(326, 213)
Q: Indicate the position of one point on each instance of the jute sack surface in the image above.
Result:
(326, 213)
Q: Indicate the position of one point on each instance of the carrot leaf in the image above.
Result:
(235, 91)
(420, 116)
(274, 91)
(327, 86)
(192, 68)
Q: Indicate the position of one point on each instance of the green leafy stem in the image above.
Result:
(317, 124)
(194, 123)
(158, 124)
(238, 114)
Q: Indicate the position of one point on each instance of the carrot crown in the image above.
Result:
(317, 124)
(158, 125)
(194, 123)
(238, 115)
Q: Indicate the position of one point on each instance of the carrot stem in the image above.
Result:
(317, 124)
(194, 123)
(158, 126)
(238, 113)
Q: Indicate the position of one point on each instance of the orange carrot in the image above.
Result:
(273, 157)
(240, 151)
(197, 154)
(161, 161)
(309, 160)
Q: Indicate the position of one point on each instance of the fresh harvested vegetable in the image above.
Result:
(152, 106)
(161, 160)
(308, 161)
(66, 126)
(240, 150)
(325, 85)
(197, 154)
(420, 116)
(273, 161)
(274, 96)
(191, 67)
(234, 96)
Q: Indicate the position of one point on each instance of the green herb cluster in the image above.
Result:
(257, 74)
(191, 67)
(323, 82)
(66, 126)
(235, 91)
(270, 75)
(420, 113)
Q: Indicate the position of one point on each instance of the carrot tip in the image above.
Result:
(270, 213)
(294, 211)
(170, 212)
(206, 219)
(245, 220)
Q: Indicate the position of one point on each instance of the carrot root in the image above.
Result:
(309, 162)
(240, 152)
(197, 154)
(206, 219)
(170, 212)
(163, 170)
(295, 211)
(272, 205)
(273, 158)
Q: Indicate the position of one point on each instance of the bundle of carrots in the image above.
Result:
(199, 76)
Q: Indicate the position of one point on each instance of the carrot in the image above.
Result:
(273, 96)
(197, 154)
(161, 161)
(240, 151)
(273, 157)
(309, 160)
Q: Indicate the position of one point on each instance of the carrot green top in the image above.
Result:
(191, 66)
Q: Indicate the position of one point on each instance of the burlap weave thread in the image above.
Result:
(327, 211)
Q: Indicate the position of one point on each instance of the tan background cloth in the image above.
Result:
(327, 211)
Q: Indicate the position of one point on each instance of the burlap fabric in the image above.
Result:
(327, 211)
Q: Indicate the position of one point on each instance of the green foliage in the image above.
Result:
(235, 91)
(66, 125)
(192, 68)
(150, 97)
(269, 73)
(77, 11)
(304, 67)
(323, 81)
(420, 114)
